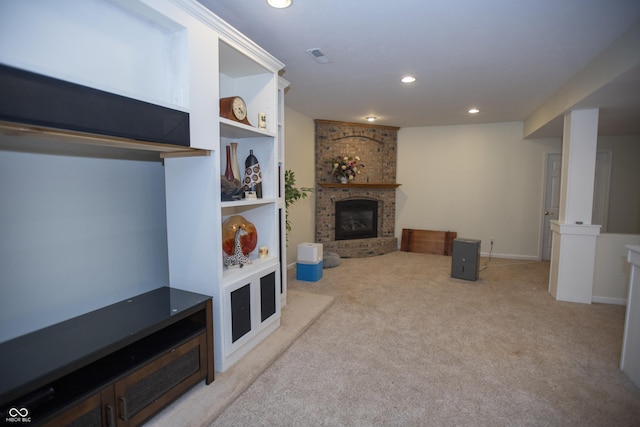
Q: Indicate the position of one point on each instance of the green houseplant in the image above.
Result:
(292, 194)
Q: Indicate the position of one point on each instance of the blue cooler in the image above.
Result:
(309, 265)
(309, 272)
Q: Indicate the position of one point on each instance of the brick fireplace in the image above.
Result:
(377, 148)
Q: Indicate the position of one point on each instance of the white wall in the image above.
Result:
(300, 158)
(481, 181)
(624, 197)
(76, 234)
(612, 271)
(96, 44)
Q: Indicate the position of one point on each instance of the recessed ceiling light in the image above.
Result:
(473, 111)
(371, 119)
(279, 4)
(408, 79)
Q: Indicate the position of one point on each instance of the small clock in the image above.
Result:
(234, 108)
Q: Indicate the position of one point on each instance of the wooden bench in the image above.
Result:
(427, 241)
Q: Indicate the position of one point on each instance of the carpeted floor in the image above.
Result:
(406, 345)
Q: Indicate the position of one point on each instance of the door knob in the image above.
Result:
(546, 212)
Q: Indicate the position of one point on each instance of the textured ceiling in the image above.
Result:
(505, 57)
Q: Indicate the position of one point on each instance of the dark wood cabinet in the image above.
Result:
(148, 389)
(121, 365)
(94, 411)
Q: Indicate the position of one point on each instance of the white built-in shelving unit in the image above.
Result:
(177, 54)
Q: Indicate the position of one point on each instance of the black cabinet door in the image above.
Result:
(268, 295)
(240, 312)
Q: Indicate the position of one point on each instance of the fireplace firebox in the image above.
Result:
(356, 219)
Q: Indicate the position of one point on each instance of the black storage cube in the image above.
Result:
(465, 261)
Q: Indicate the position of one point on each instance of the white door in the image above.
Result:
(552, 195)
(551, 200)
(601, 190)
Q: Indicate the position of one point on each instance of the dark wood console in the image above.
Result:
(118, 365)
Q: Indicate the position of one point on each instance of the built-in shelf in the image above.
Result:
(357, 185)
(247, 202)
(231, 129)
(232, 275)
(55, 141)
(180, 54)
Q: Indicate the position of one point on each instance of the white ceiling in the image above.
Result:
(506, 57)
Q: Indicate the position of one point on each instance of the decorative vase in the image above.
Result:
(252, 177)
(248, 242)
(230, 187)
(228, 173)
(344, 180)
(234, 161)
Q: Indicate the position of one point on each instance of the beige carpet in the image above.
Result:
(202, 404)
(406, 345)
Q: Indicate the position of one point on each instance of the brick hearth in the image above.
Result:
(377, 148)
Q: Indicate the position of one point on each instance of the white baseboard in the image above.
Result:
(609, 300)
(483, 254)
(511, 256)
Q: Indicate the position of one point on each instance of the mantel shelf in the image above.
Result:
(358, 185)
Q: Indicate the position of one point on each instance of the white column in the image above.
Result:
(574, 237)
(630, 361)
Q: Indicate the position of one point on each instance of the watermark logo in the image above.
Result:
(18, 415)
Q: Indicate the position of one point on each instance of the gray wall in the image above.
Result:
(76, 234)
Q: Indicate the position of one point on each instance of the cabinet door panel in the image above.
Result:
(267, 296)
(96, 410)
(148, 389)
(240, 312)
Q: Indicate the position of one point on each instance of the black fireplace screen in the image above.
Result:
(356, 219)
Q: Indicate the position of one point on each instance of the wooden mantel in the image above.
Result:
(357, 185)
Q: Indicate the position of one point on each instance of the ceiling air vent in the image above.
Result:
(318, 55)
